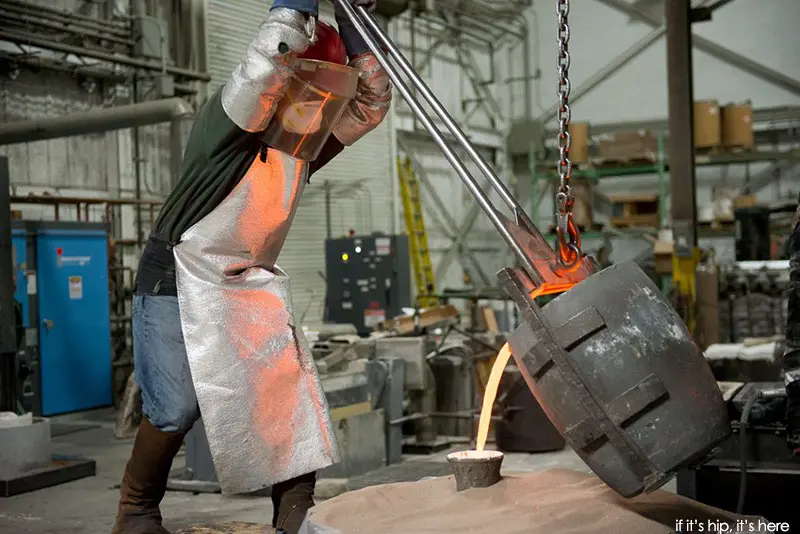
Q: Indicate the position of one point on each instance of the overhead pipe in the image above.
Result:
(162, 35)
(31, 20)
(495, 26)
(95, 121)
(446, 25)
(108, 25)
(33, 40)
(81, 71)
(494, 11)
(69, 20)
(526, 68)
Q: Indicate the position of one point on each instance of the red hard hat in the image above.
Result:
(329, 46)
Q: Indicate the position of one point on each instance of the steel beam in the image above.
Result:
(718, 4)
(470, 66)
(769, 175)
(8, 340)
(681, 111)
(8, 329)
(463, 229)
(458, 238)
(713, 49)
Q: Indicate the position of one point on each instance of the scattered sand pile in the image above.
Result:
(557, 501)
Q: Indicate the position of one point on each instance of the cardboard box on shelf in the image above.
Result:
(629, 146)
(662, 254)
(634, 210)
(582, 212)
(579, 142)
(745, 201)
(737, 126)
(723, 198)
(707, 124)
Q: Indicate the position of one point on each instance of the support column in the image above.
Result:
(8, 337)
(681, 153)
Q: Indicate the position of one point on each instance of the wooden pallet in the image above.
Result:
(649, 220)
(643, 160)
(738, 149)
(709, 150)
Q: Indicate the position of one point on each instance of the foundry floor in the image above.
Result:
(87, 506)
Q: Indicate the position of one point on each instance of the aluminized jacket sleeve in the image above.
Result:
(259, 81)
(371, 103)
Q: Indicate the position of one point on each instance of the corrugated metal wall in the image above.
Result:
(361, 178)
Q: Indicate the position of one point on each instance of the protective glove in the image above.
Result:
(309, 7)
(353, 42)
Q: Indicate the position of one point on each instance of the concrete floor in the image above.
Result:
(88, 506)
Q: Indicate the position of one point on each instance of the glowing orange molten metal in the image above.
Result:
(499, 367)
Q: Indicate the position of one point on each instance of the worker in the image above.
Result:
(213, 331)
(791, 356)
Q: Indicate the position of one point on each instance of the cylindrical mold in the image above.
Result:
(476, 469)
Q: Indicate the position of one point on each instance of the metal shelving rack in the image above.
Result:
(660, 167)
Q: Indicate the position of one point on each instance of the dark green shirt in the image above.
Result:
(218, 155)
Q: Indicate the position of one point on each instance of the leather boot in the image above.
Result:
(145, 481)
(291, 500)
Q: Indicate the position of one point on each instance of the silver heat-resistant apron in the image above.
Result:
(257, 386)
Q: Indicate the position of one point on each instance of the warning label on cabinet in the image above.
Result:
(383, 246)
(373, 318)
(75, 287)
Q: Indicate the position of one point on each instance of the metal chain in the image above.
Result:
(568, 236)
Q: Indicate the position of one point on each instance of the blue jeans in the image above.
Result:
(161, 366)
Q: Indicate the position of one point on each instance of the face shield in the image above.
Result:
(316, 97)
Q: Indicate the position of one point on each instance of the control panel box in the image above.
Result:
(368, 280)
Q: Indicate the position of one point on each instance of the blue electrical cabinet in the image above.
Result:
(62, 284)
(18, 244)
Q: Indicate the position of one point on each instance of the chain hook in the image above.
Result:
(569, 244)
(569, 239)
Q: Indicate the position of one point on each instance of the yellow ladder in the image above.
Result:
(417, 237)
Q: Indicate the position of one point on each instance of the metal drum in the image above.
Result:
(618, 374)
